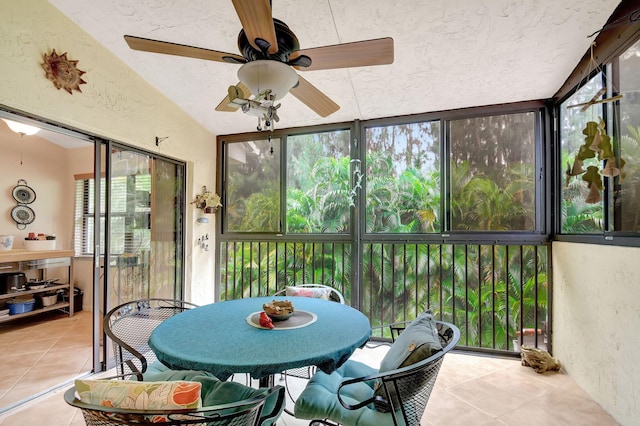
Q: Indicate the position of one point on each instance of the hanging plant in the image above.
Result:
(594, 183)
(588, 150)
(606, 154)
(208, 201)
(597, 144)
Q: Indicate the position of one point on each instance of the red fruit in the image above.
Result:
(265, 321)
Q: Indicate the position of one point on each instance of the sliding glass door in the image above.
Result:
(145, 196)
(142, 222)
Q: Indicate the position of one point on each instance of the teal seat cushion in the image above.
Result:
(168, 375)
(215, 391)
(319, 399)
(155, 368)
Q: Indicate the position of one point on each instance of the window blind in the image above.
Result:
(130, 228)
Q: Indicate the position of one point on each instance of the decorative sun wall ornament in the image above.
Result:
(62, 72)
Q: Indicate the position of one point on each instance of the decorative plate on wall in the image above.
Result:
(23, 194)
(22, 215)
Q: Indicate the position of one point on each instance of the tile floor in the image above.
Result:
(41, 351)
(470, 390)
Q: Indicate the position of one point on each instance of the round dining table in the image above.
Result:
(225, 338)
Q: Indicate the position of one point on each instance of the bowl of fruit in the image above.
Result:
(278, 310)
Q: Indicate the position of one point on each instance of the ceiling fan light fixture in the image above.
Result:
(21, 128)
(261, 75)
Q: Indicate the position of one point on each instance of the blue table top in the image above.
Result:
(217, 338)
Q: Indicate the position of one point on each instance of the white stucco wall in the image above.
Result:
(596, 323)
(115, 103)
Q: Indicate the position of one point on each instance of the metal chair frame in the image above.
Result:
(412, 384)
(247, 412)
(129, 327)
(306, 372)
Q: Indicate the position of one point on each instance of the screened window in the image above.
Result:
(318, 184)
(403, 178)
(581, 206)
(316, 188)
(626, 193)
(253, 186)
(493, 178)
(395, 177)
(600, 150)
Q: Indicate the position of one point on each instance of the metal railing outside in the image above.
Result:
(497, 294)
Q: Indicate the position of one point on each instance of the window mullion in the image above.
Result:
(445, 176)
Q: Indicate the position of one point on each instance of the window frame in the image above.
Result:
(610, 53)
(539, 235)
(614, 38)
(358, 128)
(223, 142)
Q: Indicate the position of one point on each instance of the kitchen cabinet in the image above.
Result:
(38, 263)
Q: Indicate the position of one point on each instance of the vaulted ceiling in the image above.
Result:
(449, 54)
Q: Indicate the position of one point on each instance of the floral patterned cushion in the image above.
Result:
(140, 395)
(318, 293)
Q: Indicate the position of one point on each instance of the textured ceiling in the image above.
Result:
(448, 53)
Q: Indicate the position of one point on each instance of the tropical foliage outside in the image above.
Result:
(491, 291)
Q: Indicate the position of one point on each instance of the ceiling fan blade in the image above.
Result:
(348, 55)
(257, 22)
(168, 48)
(225, 105)
(309, 95)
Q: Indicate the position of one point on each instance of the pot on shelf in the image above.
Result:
(12, 281)
(40, 284)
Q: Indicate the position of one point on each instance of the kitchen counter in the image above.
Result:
(38, 262)
(21, 254)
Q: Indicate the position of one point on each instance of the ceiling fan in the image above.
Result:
(270, 54)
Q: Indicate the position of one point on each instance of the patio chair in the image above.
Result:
(307, 290)
(250, 410)
(312, 290)
(129, 327)
(357, 394)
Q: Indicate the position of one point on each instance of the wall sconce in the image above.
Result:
(21, 128)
